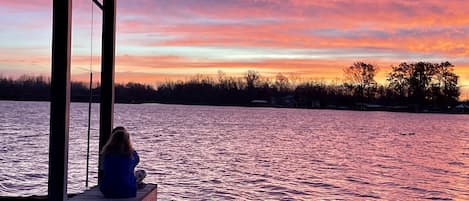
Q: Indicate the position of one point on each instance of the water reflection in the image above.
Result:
(232, 153)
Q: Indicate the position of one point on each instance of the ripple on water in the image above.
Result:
(456, 163)
(235, 153)
(320, 185)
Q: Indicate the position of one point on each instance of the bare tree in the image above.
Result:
(361, 75)
(221, 76)
(252, 77)
(281, 82)
(421, 82)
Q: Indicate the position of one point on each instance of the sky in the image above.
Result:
(159, 40)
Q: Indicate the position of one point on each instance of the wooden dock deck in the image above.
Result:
(149, 193)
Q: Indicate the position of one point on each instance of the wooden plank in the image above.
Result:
(149, 193)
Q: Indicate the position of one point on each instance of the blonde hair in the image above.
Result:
(118, 143)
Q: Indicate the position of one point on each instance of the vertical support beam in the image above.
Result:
(60, 100)
(107, 76)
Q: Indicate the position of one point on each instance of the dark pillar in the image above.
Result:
(60, 100)
(107, 75)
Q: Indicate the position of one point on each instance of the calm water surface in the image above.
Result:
(235, 153)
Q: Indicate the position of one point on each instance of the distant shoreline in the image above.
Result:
(252, 91)
(344, 108)
(318, 108)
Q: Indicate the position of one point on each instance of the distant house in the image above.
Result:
(260, 103)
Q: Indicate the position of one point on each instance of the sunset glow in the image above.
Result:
(161, 40)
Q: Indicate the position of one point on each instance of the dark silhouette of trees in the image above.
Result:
(79, 92)
(252, 81)
(445, 89)
(25, 88)
(422, 83)
(252, 78)
(411, 87)
(31, 88)
(282, 83)
(419, 81)
(398, 80)
(361, 77)
(134, 93)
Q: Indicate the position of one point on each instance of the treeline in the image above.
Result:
(25, 88)
(37, 88)
(410, 86)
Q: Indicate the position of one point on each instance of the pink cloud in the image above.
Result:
(431, 27)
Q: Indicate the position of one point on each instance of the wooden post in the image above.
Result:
(60, 100)
(107, 76)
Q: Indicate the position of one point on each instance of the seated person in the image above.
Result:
(118, 165)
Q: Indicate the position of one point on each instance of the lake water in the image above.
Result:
(237, 153)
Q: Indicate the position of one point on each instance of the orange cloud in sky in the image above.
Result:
(154, 69)
(180, 38)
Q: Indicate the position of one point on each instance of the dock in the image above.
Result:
(148, 193)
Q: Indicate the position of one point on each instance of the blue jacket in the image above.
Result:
(118, 176)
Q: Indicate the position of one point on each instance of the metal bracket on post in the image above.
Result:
(98, 4)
